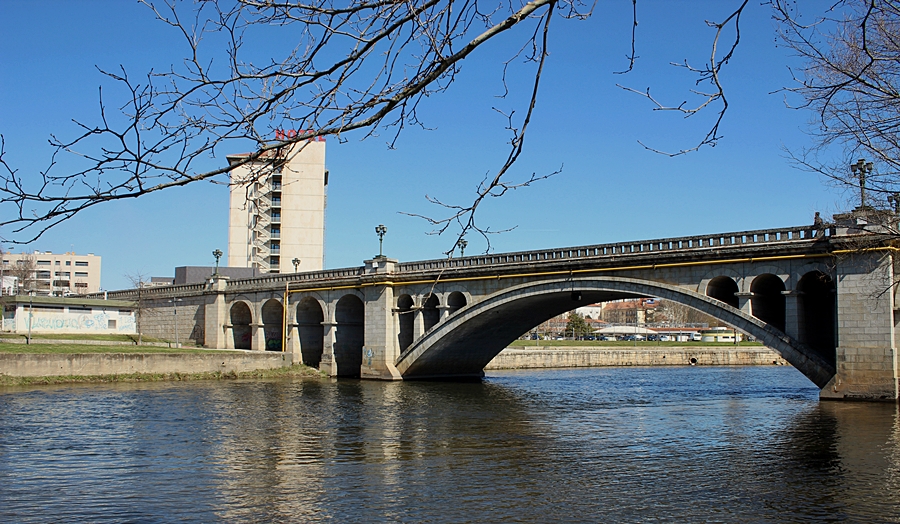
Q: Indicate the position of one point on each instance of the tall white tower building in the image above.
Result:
(277, 210)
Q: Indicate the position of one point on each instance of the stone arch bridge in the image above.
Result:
(819, 299)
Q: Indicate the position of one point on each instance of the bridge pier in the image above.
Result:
(381, 346)
(327, 365)
(792, 327)
(866, 347)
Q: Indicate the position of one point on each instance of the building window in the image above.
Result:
(63, 274)
(80, 263)
(68, 262)
(80, 284)
(111, 324)
(56, 263)
(43, 262)
(42, 274)
(80, 274)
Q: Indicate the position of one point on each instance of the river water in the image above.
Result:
(711, 444)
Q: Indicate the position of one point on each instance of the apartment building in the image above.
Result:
(276, 220)
(51, 274)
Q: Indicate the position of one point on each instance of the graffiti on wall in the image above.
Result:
(80, 322)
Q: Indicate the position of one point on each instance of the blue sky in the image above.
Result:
(611, 188)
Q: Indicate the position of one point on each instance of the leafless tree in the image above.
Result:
(25, 271)
(355, 65)
(139, 281)
(851, 82)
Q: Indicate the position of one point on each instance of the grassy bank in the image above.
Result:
(298, 371)
(613, 343)
(133, 339)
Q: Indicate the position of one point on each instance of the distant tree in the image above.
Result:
(25, 270)
(139, 282)
(576, 325)
(678, 314)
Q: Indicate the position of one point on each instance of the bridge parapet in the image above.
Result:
(763, 237)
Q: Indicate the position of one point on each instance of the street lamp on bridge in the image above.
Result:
(380, 230)
(218, 254)
(296, 263)
(860, 169)
(462, 243)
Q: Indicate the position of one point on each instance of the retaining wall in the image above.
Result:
(91, 364)
(576, 357)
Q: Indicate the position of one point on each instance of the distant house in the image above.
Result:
(66, 315)
(637, 311)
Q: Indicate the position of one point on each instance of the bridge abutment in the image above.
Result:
(866, 355)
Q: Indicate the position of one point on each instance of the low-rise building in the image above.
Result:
(66, 315)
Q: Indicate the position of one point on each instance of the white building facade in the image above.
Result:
(276, 220)
(54, 274)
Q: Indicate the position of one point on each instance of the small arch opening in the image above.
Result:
(430, 313)
(349, 316)
(723, 288)
(407, 317)
(767, 301)
(241, 318)
(310, 331)
(455, 302)
(273, 324)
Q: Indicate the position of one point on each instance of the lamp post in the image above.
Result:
(860, 169)
(380, 230)
(894, 201)
(174, 303)
(296, 263)
(218, 254)
(462, 246)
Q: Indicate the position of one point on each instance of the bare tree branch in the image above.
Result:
(708, 73)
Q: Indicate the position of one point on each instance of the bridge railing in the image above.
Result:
(148, 293)
(284, 278)
(665, 245)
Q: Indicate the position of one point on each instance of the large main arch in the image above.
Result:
(464, 344)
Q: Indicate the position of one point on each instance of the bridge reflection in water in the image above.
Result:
(818, 297)
(687, 444)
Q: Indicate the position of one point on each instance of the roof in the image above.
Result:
(66, 301)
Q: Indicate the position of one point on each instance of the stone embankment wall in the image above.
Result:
(576, 357)
(92, 364)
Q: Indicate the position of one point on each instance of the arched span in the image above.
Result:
(467, 341)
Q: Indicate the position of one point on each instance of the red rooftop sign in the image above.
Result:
(287, 134)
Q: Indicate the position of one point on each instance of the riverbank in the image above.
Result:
(65, 361)
(295, 371)
(539, 357)
(71, 362)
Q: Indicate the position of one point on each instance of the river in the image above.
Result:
(677, 444)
